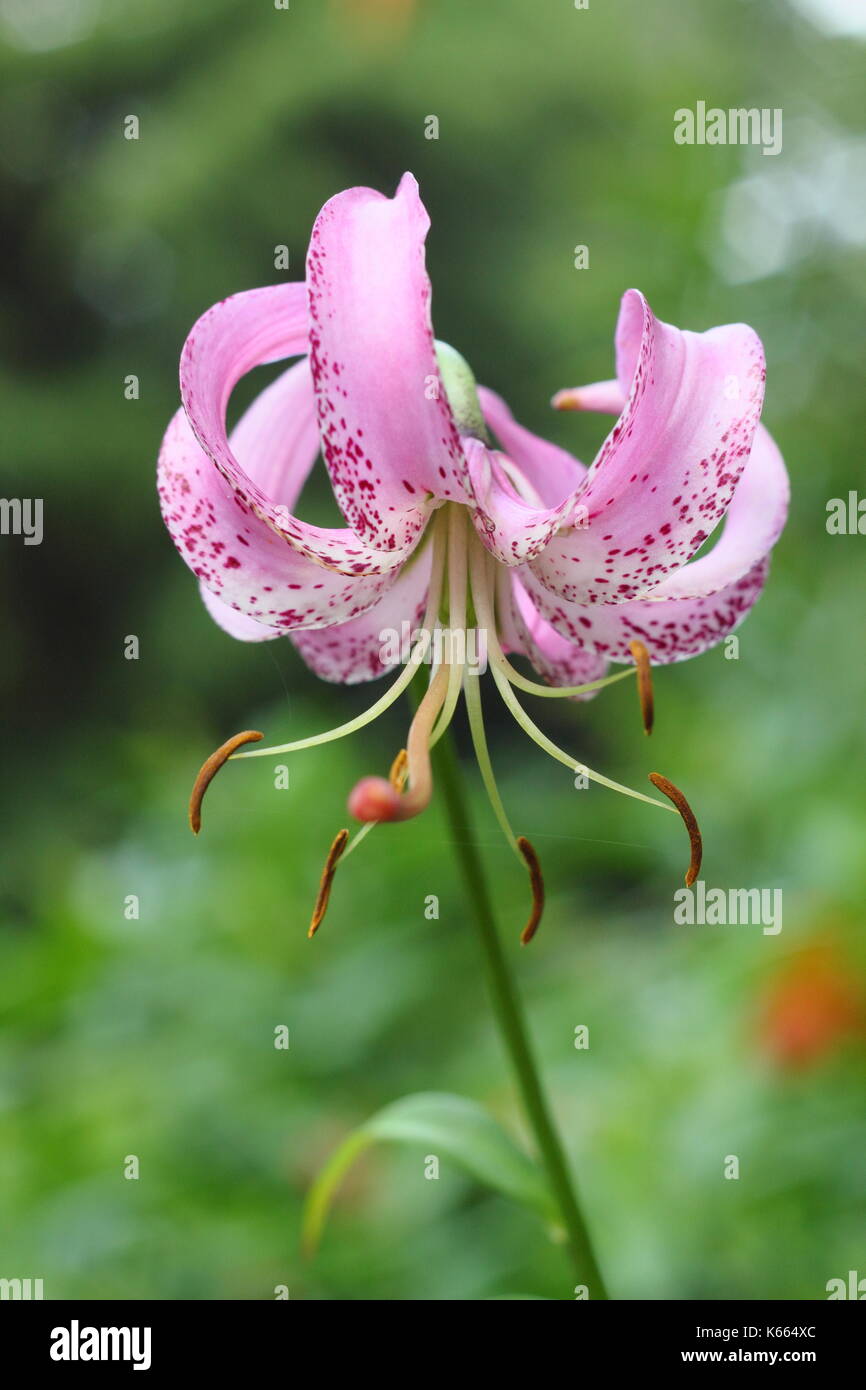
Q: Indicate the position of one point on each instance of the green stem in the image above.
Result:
(512, 1025)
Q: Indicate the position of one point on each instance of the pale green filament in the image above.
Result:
(472, 687)
(358, 837)
(484, 608)
(487, 616)
(550, 747)
(396, 690)
(556, 692)
(458, 578)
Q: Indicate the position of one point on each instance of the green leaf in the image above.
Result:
(452, 1127)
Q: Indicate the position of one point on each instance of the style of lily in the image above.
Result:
(460, 520)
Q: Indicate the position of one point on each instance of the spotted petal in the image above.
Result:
(672, 629)
(702, 602)
(235, 623)
(521, 495)
(512, 528)
(370, 645)
(388, 436)
(234, 336)
(753, 523)
(667, 471)
(242, 560)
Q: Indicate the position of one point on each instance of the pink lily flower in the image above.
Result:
(461, 523)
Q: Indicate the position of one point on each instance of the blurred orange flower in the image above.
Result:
(812, 1007)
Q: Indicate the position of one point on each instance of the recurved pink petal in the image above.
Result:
(670, 628)
(388, 436)
(242, 559)
(666, 473)
(556, 659)
(512, 523)
(234, 336)
(370, 645)
(754, 521)
(235, 623)
(752, 526)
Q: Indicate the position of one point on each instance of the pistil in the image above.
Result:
(378, 798)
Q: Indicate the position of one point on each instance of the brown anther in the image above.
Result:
(644, 683)
(569, 399)
(675, 795)
(210, 769)
(326, 880)
(399, 770)
(537, 884)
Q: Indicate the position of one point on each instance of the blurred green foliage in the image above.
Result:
(155, 1037)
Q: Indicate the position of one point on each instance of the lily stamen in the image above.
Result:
(209, 770)
(689, 820)
(558, 753)
(521, 846)
(537, 884)
(327, 879)
(399, 770)
(644, 683)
